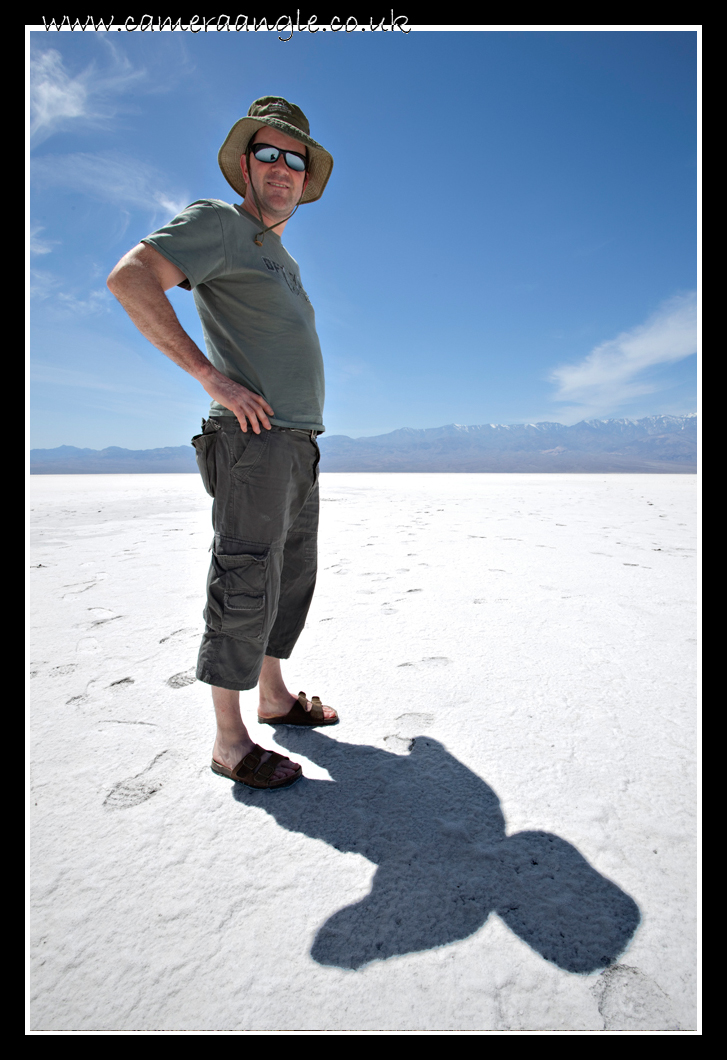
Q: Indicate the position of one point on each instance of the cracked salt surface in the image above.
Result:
(498, 836)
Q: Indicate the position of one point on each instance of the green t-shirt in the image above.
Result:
(258, 323)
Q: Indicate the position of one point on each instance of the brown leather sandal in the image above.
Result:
(250, 772)
(298, 715)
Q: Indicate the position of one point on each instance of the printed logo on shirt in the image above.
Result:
(291, 279)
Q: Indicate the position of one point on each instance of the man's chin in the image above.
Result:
(278, 211)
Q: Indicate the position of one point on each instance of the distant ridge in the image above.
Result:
(659, 444)
(652, 444)
(68, 460)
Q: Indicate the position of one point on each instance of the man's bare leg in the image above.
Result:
(275, 699)
(233, 740)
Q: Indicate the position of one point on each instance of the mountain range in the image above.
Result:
(666, 444)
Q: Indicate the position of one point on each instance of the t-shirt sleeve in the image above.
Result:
(193, 241)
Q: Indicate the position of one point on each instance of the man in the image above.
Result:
(257, 454)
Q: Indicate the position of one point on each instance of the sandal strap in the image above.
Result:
(266, 770)
(250, 766)
(251, 760)
(316, 708)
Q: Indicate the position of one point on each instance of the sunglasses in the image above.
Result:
(269, 154)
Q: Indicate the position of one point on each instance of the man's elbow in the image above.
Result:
(145, 267)
(127, 269)
(111, 280)
(115, 279)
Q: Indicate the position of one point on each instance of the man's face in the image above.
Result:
(277, 187)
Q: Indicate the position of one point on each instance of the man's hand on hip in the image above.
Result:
(238, 399)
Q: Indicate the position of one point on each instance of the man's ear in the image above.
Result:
(243, 167)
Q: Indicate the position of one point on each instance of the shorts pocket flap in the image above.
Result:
(243, 574)
(243, 602)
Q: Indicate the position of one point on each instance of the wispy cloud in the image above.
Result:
(111, 394)
(56, 375)
(43, 284)
(38, 245)
(97, 302)
(614, 373)
(111, 177)
(59, 100)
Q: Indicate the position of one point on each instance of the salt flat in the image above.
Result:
(508, 803)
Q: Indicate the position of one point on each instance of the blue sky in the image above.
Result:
(508, 235)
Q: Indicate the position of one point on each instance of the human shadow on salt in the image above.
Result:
(437, 833)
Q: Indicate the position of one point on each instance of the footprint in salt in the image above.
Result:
(430, 661)
(629, 1000)
(122, 683)
(61, 671)
(178, 633)
(408, 726)
(103, 615)
(87, 645)
(137, 789)
(187, 677)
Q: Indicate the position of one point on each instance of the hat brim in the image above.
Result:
(320, 162)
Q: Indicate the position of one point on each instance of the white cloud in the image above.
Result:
(59, 100)
(57, 375)
(38, 245)
(613, 373)
(54, 96)
(112, 178)
(97, 302)
(43, 284)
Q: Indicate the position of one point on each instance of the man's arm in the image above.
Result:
(139, 282)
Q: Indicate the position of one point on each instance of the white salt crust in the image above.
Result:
(509, 654)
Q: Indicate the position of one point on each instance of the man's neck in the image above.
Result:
(249, 205)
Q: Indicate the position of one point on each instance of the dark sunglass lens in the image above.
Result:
(295, 162)
(266, 154)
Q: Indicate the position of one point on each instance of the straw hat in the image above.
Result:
(286, 118)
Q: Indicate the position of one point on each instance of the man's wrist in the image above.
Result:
(206, 373)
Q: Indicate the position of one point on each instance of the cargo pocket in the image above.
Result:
(246, 452)
(236, 599)
(204, 449)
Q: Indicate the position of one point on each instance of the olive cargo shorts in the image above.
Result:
(264, 555)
